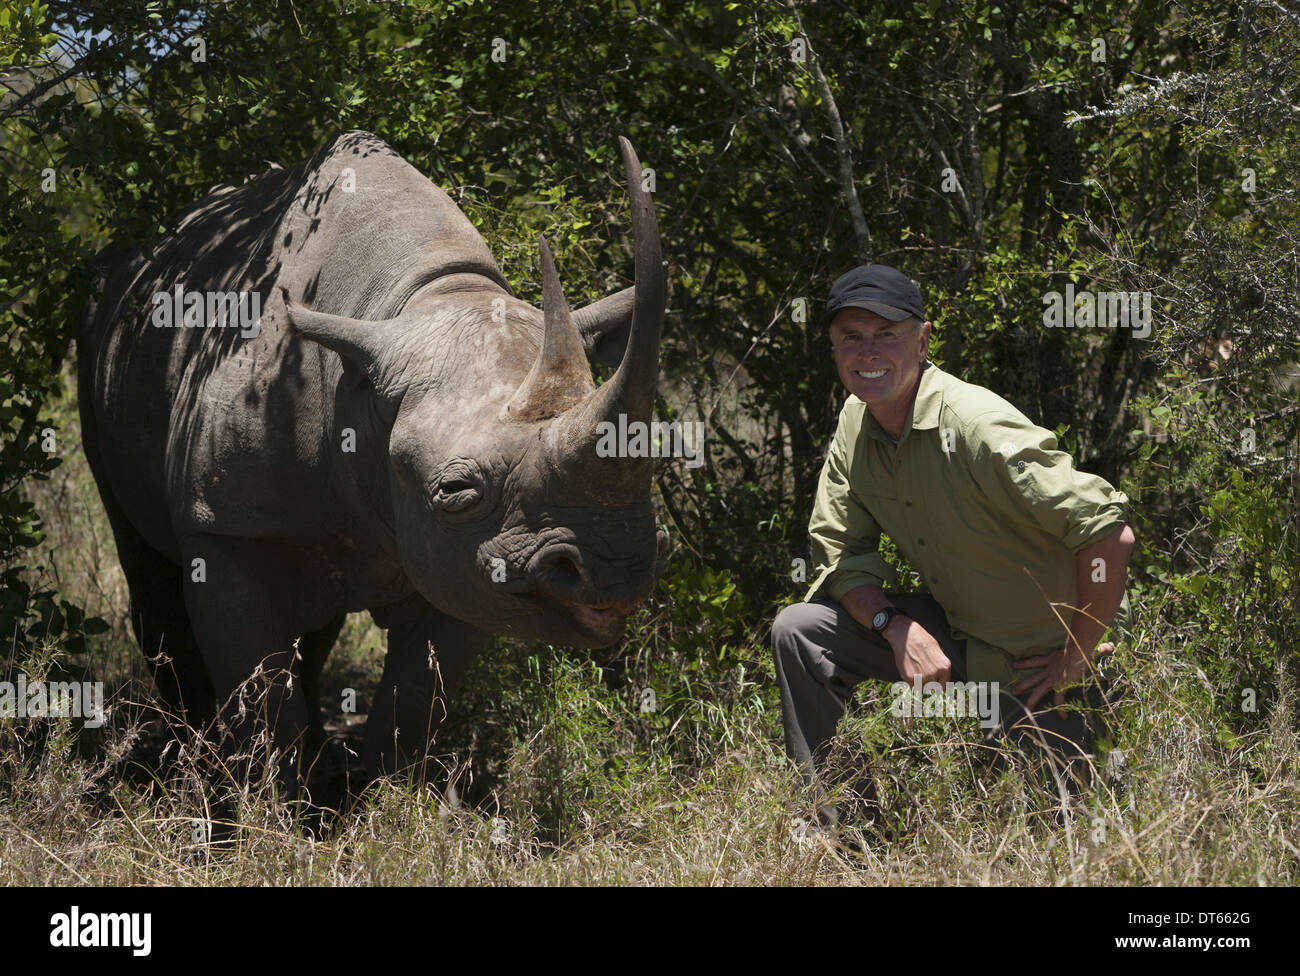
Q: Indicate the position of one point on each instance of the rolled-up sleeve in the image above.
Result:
(843, 537)
(1017, 465)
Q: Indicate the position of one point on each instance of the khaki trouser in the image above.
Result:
(822, 652)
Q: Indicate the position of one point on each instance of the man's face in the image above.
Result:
(878, 360)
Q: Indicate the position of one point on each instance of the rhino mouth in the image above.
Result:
(601, 622)
(556, 585)
(605, 621)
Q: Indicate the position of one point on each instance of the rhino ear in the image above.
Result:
(605, 325)
(360, 343)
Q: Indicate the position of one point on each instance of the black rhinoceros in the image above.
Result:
(319, 395)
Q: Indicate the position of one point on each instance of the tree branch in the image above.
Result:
(847, 186)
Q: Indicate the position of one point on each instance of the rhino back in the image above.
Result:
(368, 231)
(208, 430)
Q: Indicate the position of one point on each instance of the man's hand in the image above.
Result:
(916, 652)
(1100, 571)
(1060, 668)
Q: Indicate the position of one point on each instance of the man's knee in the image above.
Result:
(794, 621)
(800, 637)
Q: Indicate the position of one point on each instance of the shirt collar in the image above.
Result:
(929, 400)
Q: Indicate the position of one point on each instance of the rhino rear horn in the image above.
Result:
(560, 377)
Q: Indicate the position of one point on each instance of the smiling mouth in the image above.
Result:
(874, 374)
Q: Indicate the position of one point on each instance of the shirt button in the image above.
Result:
(934, 579)
(920, 542)
(908, 503)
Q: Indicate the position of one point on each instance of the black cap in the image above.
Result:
(877, 288)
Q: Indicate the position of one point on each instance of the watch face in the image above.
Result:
(879, 620)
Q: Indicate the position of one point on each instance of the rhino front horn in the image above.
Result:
(631, 390)
(560, 377)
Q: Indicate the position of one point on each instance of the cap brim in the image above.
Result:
(880, 308)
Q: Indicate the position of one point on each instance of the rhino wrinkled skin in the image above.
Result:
(397, 433)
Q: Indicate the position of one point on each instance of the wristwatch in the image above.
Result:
(882, 618)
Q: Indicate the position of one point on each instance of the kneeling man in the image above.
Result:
(1023, 557)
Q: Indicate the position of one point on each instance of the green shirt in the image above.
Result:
(980, 501)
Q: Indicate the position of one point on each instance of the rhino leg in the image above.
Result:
(429, 653)
(241, 603)
(157, 604)
(313, 649)
(163, 631)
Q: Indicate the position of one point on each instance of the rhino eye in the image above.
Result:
(458, 496)
(458, 490)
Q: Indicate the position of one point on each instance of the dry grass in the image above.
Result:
(1184, 813)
